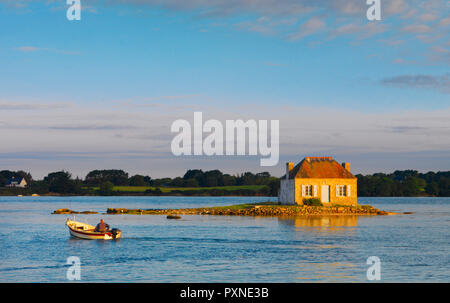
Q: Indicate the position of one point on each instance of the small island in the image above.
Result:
(268, 209)
(315, 186)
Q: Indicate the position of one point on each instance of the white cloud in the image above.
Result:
(359, 31)
(427, 17)
(441, 83)
(281, 17)
(28, 49)
(395, 6)
(444, 21)
(311, 26)
(19, 106)
(417, 28)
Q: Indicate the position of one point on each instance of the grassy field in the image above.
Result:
(169, 189)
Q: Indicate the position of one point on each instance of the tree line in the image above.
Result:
(103, 181)
(408, 183)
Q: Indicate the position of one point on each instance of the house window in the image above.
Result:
(309, 190)
(342, 191)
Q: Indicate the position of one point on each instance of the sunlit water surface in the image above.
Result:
(34, 245)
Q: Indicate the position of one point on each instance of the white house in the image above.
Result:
(16, 182)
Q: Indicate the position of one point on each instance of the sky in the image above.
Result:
(102, 92)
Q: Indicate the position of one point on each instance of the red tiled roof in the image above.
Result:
(319, 167)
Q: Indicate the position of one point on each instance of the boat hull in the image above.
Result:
(85, 231)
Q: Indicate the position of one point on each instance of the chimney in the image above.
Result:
(289, 167)
(346, 165)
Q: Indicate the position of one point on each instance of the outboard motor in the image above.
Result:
(115, 232)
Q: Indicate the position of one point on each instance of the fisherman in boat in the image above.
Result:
(102, 226)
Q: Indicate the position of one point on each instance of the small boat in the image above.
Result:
(86, 231)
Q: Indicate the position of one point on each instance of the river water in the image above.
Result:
(35, 245)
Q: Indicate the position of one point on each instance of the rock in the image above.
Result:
(173, 217)
(64, 211)
(116, 211)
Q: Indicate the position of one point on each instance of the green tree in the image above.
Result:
(177, 182)
(444, 187)
(3, 180)
(413, 186)
(97, 177)
(106, 188)
(432, 188)
(160, 182)
(192, 182)
(274, 187)
(229, 180)
(138, 180)
(193, 173)
(213, 178)
(60, 182)
(247, 179)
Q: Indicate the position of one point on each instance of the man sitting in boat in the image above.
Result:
(102, 226)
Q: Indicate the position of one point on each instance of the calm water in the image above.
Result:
(34, 244)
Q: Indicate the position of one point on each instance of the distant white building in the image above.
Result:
(16, 182)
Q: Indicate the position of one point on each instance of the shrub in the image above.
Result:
(312, 202)
(155, 192)
(106, 188)
(217, 192)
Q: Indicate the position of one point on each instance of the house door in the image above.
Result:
(325, 193)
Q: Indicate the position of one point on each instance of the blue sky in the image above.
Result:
(102, 92)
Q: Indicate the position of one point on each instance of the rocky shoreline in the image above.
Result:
(66, 211)
(272, 209)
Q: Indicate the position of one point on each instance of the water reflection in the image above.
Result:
(328, 238)
(322, 223)
(328, 272)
